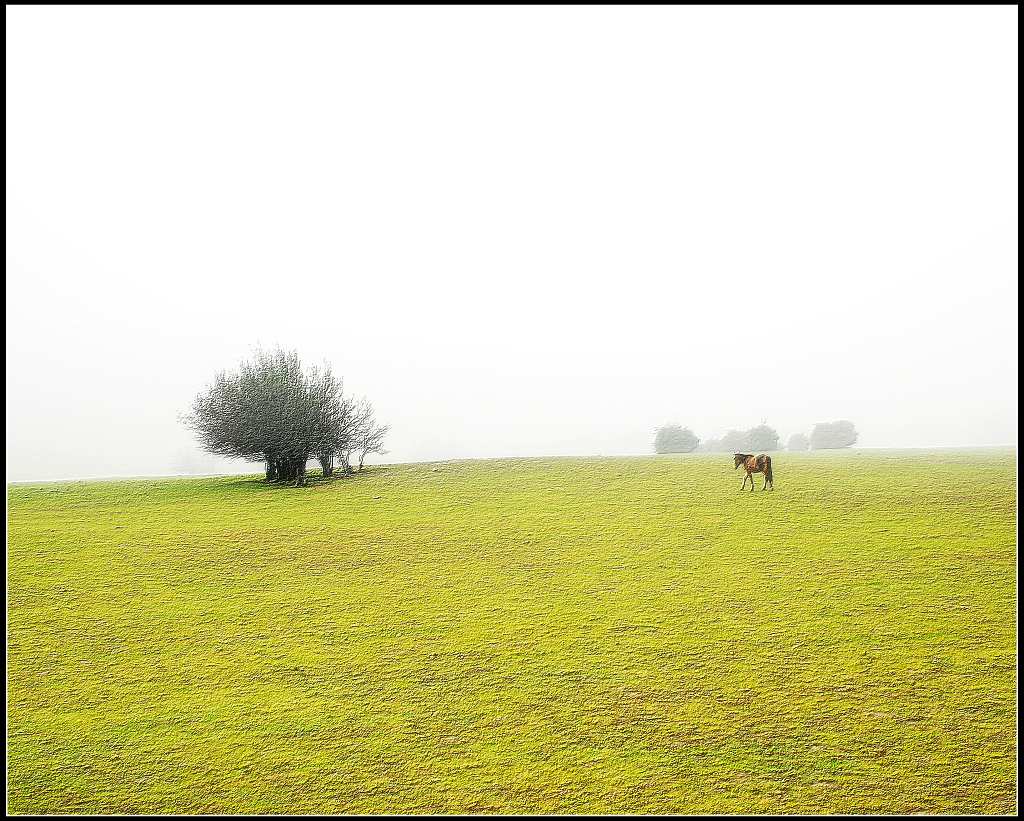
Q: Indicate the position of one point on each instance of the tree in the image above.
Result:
(368, 436)
(710, 446)
(735, 441)
(674, 439)
(272, 416)
(334, 419)
(290, 410)
(273, 410)
(762, 438)
(839, 434)
(798, 442)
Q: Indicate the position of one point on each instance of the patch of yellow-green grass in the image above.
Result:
(566, 635)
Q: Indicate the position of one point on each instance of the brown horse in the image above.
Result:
(755, 464)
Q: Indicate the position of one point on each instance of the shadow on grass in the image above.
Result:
(256, 481)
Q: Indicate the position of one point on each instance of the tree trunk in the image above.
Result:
(300, 473)
(286, 470)
(271, 469)
(326, 461)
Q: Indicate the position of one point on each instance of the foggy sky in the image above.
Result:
(519, 231)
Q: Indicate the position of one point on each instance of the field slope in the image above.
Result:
(603, 635)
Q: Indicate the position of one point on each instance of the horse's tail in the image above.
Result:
(768, 468)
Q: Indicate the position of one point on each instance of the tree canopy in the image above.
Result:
(839, 434)
(674, 439)
(798, 441)
(762, 438)
(735, 441)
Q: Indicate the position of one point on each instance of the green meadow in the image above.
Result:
(567, 635)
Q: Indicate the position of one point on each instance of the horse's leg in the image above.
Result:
(751, 482)
(744, 485)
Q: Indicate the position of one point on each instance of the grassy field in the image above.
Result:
(571, 635)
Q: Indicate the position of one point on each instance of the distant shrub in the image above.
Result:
(675, 439)
(711, 446)
(756, 440)
(839, 434)
(735, 441)
(798, 442)
(762, 438)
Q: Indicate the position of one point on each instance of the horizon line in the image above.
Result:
(127, 476)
